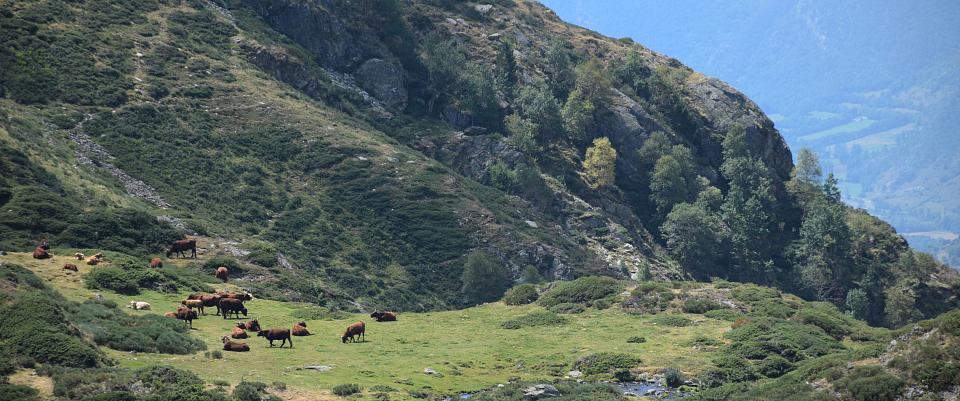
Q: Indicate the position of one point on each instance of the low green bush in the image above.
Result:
(673, 377)
(671, 320)
(521, 295)
(34, 325)
(636, 340)
(834, 324)
(650, 296)
(704, 341)
(581, 290)
(346, 389)
(774, 366)
(605, 362)
(534, 319)
(752, 293)
(18, 392)
(567, 308)
(729, 315)
(870, 383)
(249, 391)
(131, 279)
(700, 305)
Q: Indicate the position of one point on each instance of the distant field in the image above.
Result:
(468, 348)
(942, 235)
(882, 139)
(856, 125)
(822, 115)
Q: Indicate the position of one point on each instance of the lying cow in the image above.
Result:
(70, 266)
(384, 316)
(239, 331)
(40, 253)
(253, 325)
(234, 346)
(300, 329)
(277, 334)
(137, 305)
(79, 256)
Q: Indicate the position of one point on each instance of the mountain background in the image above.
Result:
(873, 88)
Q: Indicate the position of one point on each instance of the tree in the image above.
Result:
(530, 275)
(599, 166)
(693, 236)
(503, 177)
(669, 182)
(857, 303)
(735, 143)
(806, 177)
(577, 115)
(748, 210)
(484, 280)
(825, 243)
(560, 74)
(593, 82)
(523, 134)
(506, 69)
(653, 147)
(478, 95)
(537, 105)
(900, 306)
(831, 189)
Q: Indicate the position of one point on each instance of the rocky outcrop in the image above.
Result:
(384, 80)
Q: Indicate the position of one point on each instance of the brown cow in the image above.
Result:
(234, 306)
(354, 330)
(211, 300)
(193, 303)
(234, 346)
(180, 246)
(238, 331)
(222, 273)
(384, 316)
(71, 267)
(170, 314)
(45, 245)
(244, 296)
(276, 334)
(186, 314)
(300, 329)
(94, 260)
(40, 253)
(156, 263)
(253, 325)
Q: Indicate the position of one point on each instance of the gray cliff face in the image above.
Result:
(384, 80)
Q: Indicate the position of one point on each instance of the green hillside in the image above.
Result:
(423, 157)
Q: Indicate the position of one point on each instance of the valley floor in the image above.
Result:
(467, 349)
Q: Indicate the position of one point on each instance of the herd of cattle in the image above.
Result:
(227, 304)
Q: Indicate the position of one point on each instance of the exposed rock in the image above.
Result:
(429, 371)
(539, 391)
(483, 8)
(319, 368)
(475, 130)
(532, 223)
(574, 374)
(384, 80)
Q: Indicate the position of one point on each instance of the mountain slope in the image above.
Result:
(365, 154)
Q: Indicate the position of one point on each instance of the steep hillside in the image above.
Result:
(415, 156)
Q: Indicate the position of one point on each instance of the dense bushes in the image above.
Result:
(671, 320)
(567, 308)
(344, 390)
(581, 290)
(130, 280)
(113, 328)
(34, 325)
(533, 319)
(605, 362)
(700, 305)
(650, 297)
(521, 295)
(870, 383)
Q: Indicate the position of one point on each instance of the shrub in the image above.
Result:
(672, 377)
(636, 340)
(700, 305)
(605, 362)
(581, 290)
(216, 354)
(834, 325)
(484, 278)
(115, 329)
(35, 326)
(567, 308)
(249, 391)
(751, 293)
(729, 315)
(534, 319)
(672, 320)
(280, 386)
(734, 369)
(521, 295)
(346, 389)
(703, 341)
(650, 296)
(382, 388)
(18, 392)
(774, 366)
(870, 383)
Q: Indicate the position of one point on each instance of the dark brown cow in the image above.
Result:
(354, 330)
(234, 346)
(186, 314)
(71, 267)
(232, 306)
(170, 314)
(211, 300)
(179, 247)
(238, 331)
(300, 329)
(276, 334)
(40, 253)
(156, 263)
(244, 296)
(253, 325)
(45, 245)
(222, 273)
(384, 316)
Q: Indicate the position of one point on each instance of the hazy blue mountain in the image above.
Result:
(872, 87)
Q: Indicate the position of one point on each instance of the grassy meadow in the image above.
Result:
(467, 348)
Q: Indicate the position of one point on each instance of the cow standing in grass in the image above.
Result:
(223, 273)
(181, 246)
(230, 306)
(277, 334)
(156, 263)
(353, 332)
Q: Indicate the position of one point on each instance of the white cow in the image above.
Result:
(139, 305)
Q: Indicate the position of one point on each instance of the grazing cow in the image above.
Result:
(300, 329)
(354, 330)
(210, 300)
(193, 303)
(71, 267)
(170, 314)
(40, 253)
(137, 305)
(79, 256)
(186, 314)
(234, 346)
(384, 316)
(238, 331)
(179, 247)
(222, 273)
(232, 306)
(252, 325)
(156, 263)
(276, 334)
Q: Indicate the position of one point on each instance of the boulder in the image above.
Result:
(384, 80)
(539, 391)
